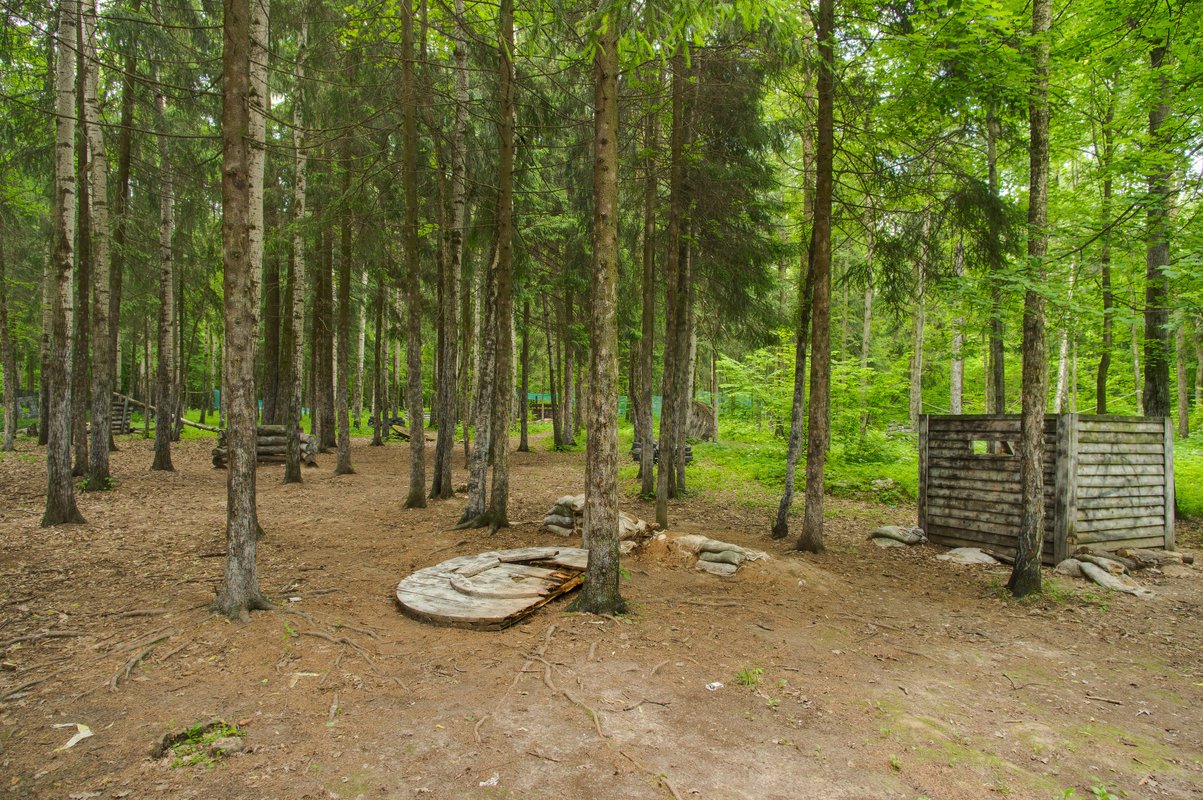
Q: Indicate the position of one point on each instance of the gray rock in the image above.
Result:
(1070, 568)
(227, 746)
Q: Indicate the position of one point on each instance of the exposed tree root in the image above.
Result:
(124, 670)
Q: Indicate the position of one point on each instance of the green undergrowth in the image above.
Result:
(750, 461)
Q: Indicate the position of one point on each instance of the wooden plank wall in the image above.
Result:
(972, 499)
(1124, 482)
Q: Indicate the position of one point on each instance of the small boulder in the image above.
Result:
(227, 746)
(968, 555)
(1070, 568)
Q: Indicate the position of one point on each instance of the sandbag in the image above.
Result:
(899, 534)
(1070, 568)
(724, 557)
(968, 555)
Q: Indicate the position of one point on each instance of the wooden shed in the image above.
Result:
(1108, 482)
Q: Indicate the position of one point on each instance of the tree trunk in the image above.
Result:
(1061, 394)
(557, 435)
(102, 366)
(600, 593)
(362, 322)
(240, 594)
(956, 395)
(866, 334)
(666, 473)
(259, 103)
(125, 138)
(60, 493)
(165, 370)
(996, 401)
(1105, 260)
(1025, 576)
(1183, 385)
(524, 393)
(413, 349)
(801, 334)
(378, 369)
(1136, 370)
(567, 372)
(647, 341)
(296, 272)
(271, 343)
(474, 510)
(819, 420)
(341, 411)
(921, 269)
(83, 267)
(503, 377)
(322, 415)
(1156, 392)
(8, 363)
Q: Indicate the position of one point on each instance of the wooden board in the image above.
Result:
(493, 590)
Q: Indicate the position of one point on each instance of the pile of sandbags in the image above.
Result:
(716, 557)
(1113, 570)
(897, 536)
(566, 518)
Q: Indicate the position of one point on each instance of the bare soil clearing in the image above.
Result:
(878, 673)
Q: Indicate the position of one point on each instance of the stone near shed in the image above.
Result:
(1070, 568)
(968, 555)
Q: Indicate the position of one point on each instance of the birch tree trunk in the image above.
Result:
(1183, 385)
(102, 366)
(956, 393)
(296, 272)
(60, 492)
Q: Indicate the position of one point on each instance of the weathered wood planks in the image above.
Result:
(1108, 481)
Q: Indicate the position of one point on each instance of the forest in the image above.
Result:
(716, 263)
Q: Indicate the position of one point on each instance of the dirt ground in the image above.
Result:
(874, 673)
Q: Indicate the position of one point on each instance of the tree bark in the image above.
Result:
(296, 272)
(83, 266)
(8, 363)
(557, 435)
(503, 377)
(819, 420)
(60, 493)
(413, 349)
(524, 393)
(378, 377)
(647, 340)
(322, 414)
(1025, 576)
(342, 412)
(271, 342)
(801, 334)
(1156, 392)
(996, 401)
(956, 394)
(1106, 158)
(567, 371)
(600, 593)
(362, 322)
(1183, 385)
(666, 472)
(165, 369)
(241, 594)
(259, 103)
(1136, 370)
(919, 323)
(102, 351)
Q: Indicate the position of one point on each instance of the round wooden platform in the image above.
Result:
(492, 590)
